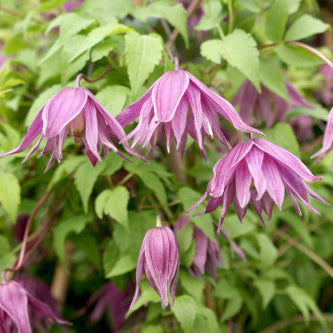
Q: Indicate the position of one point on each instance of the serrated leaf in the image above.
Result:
(85, 178)
(304, 27)
(97, 35)
(283, 136)
(267, 290)
(273, 79)
(212, 16)
(239, 49)
(268, 252)
(113, 203)
(123, 265)
(276, 20)
(61, 231)
(10, 194)
(304, 302)
(297, 57)
(113, 98)
(185, 309)
(102, 50)
(142, 53)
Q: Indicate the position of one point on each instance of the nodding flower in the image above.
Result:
(159, 260)
(73, 111)
(258, 172)
(179, 104)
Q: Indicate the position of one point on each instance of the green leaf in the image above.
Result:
(212, 323)
(293, 6)
(40, 101)
(239, 49)
(101, 50)
(113, 203)
(85, 178)
(97, 35)
(61, 231)
(123, 265)
(276, 20)
(88, 244)
(113, 98)
(267, 290)
(7, 258)
(185, 309)
(142, 53)
(193, 286)
(175, 14)
(297, 57)
(206, 227)
(283, 136)
(110, 256)
(185, 238)
(10, 194)
(318, 113)
(304, 27)
(304, 302)
(273, 79)
(151, 181)
(232, 308)
(268, 252)
(212, 16)
(66, 168)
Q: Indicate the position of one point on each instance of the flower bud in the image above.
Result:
(159, 259)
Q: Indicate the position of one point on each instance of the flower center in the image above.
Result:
(77, 126)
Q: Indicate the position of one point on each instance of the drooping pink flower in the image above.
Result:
(72, 5)
(269, 108)
(159, 260)
(73, 111)
(328, 138)
(258, 172)
(327, 88)
(15, 301)
(110, 299)
(180, 104)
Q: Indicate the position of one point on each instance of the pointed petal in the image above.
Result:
(33, 131)
(223, 107)
(167, 93)
(91, 132)
(287, 159)
(62, 108)
(14, 301)
(201, 247)
(243, 182)
(179, 120)
(275, 187)
(254, 162)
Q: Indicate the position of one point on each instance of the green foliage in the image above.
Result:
(276, 20)
(185, 310)
(142, 54)
(10, 194)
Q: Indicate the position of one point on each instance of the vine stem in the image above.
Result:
(309, 253)
(277, 326)
(314, 51)
(175, 32)
(84, 77)
(20, 259)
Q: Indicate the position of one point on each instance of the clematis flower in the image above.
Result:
(159, 260)
(109, 298)
(179, 104)
(328, 138)
(15, 301)
(258, 172)
(73, 111)
(270, 108)
(327, 89)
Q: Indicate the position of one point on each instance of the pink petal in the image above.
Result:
(179, 120)
(243, 182)
(62, 108)
(167, 93)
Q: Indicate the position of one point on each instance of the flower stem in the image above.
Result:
(84, 77)
(40, 203)
(313, 51)
(231, 16)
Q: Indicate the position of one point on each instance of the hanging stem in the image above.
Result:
(231, 16)
(84, 77)
(314, 51)
(40, 203)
